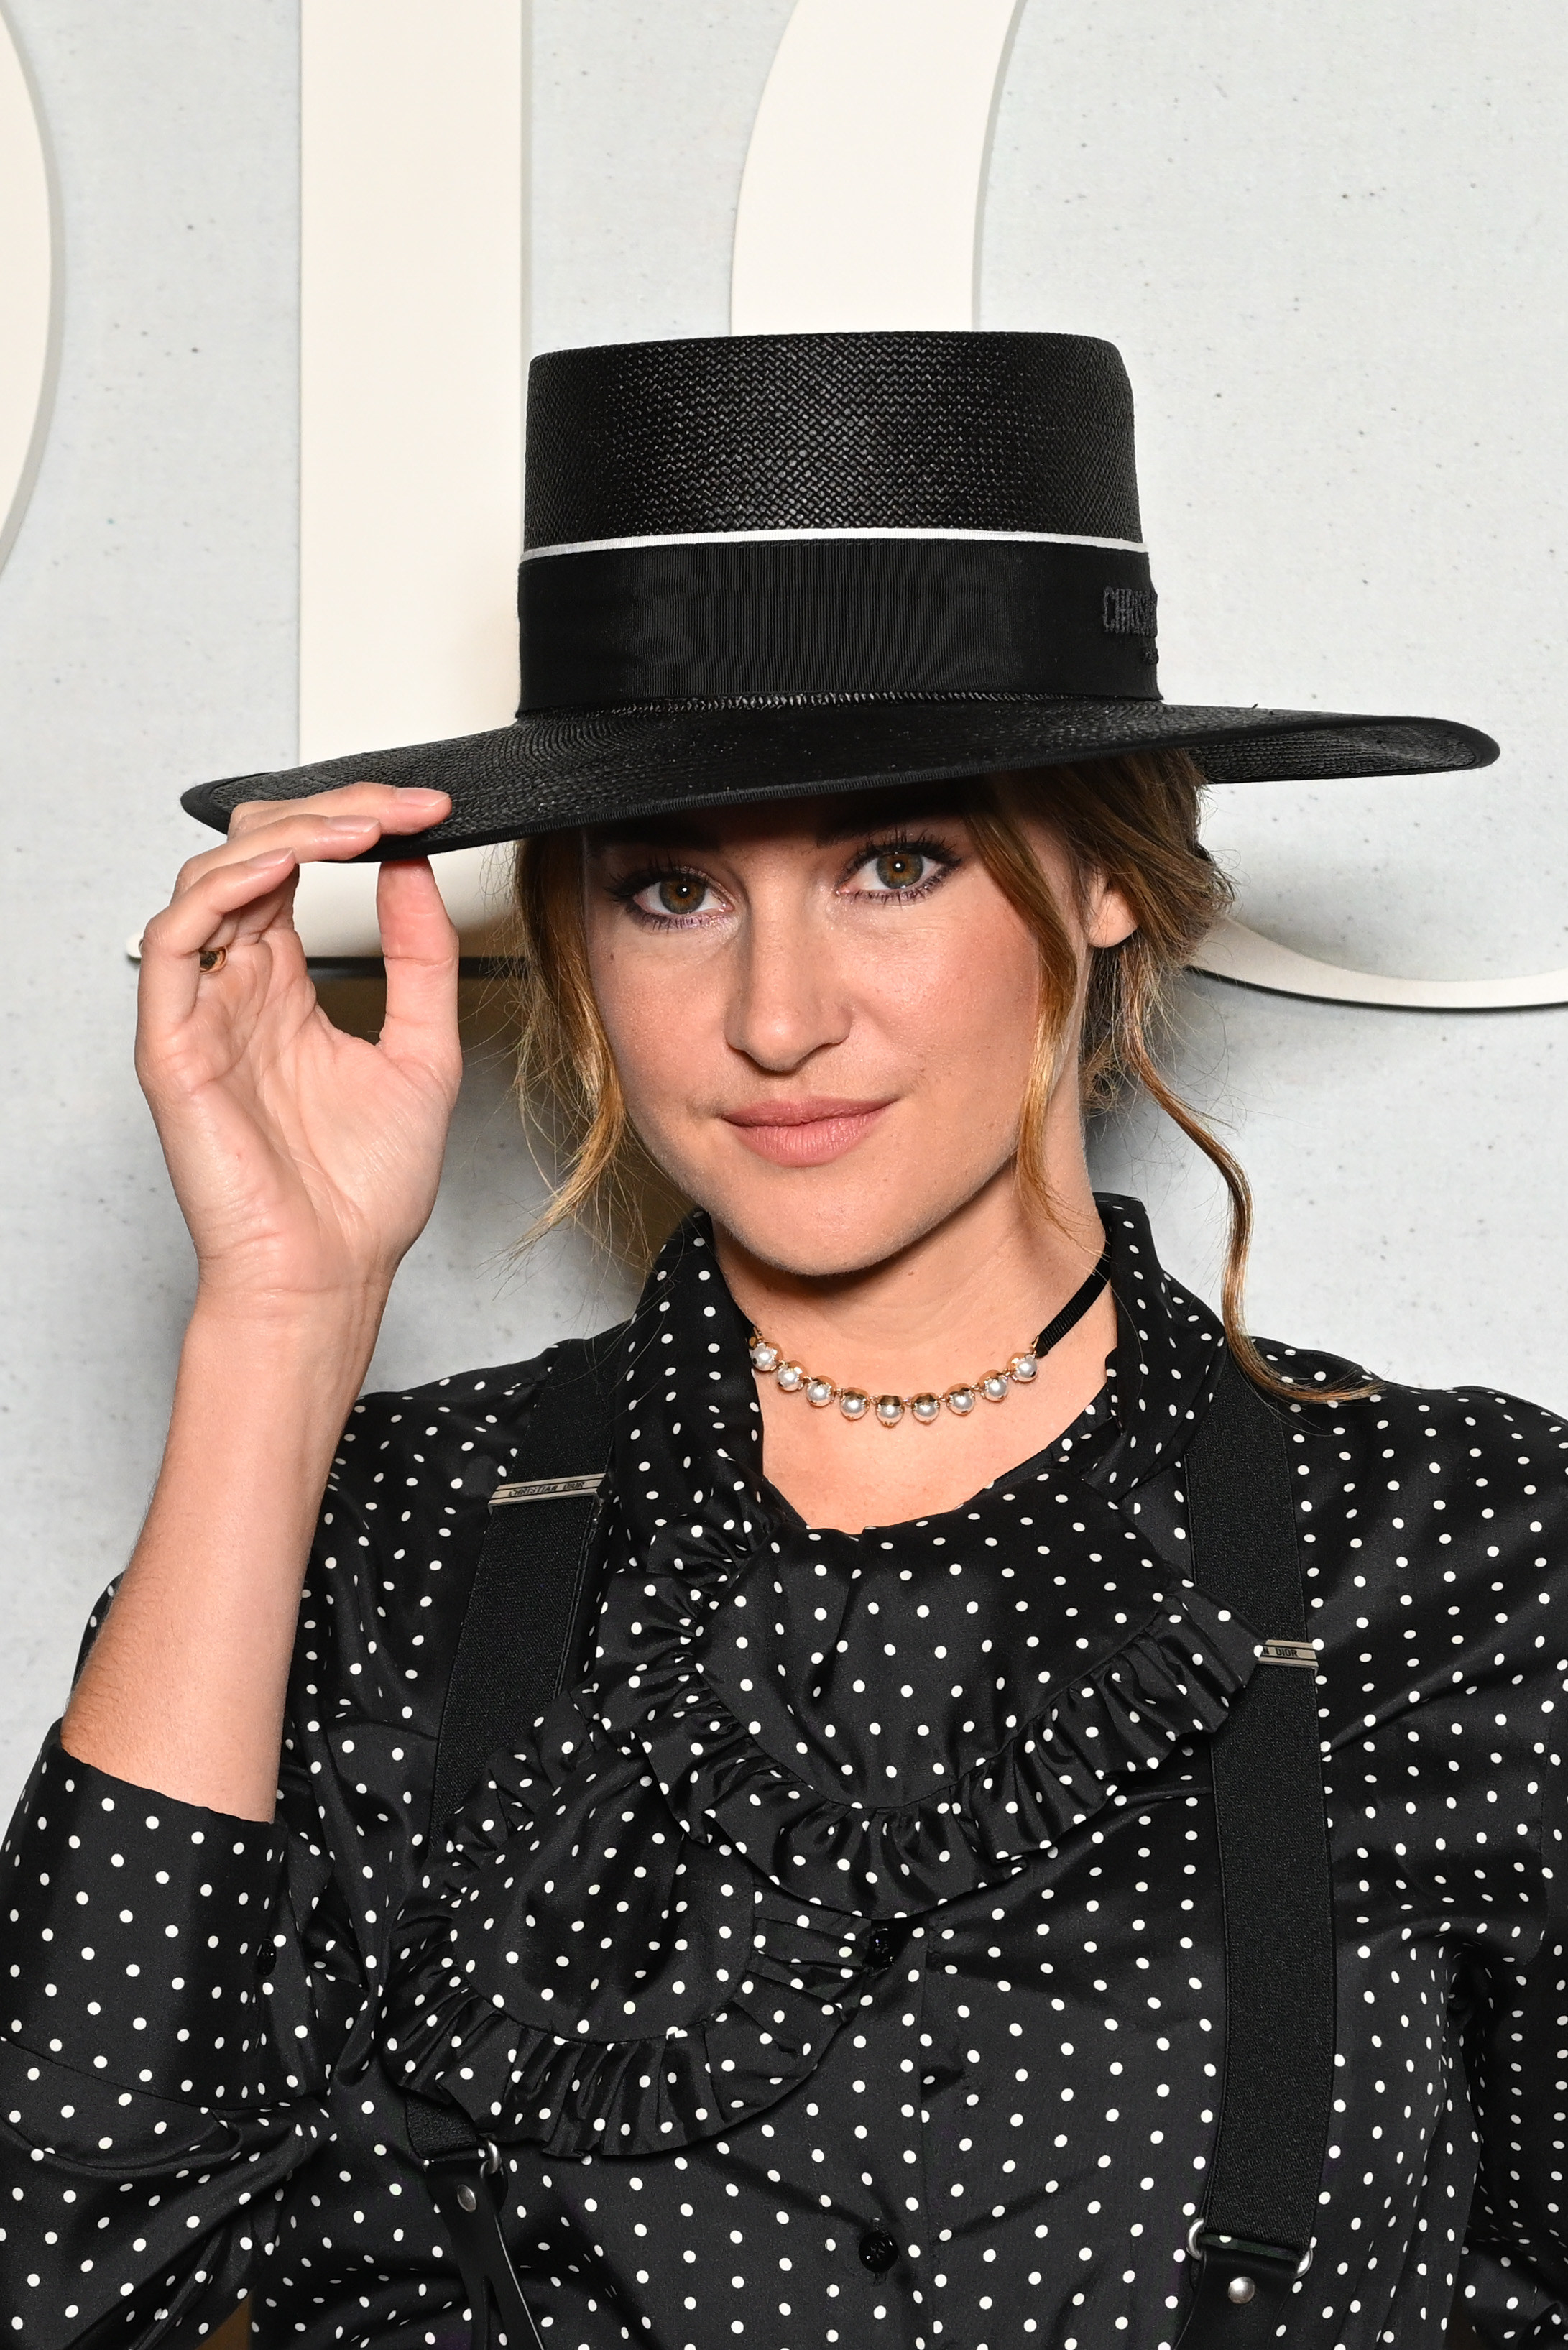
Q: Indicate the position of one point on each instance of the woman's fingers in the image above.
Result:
(189, 920)
(396, 808)
(326, 826)
(211, 913)
(419, 946)
(238, 891)
(309, 839)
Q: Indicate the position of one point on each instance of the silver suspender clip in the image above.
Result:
(1202, 2238)
(547, 1489)
(1248, 2269)
(1282, 1652)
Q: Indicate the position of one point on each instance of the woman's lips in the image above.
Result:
(805, 1133)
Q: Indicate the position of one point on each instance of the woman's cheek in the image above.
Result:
(973, 1009)
(660, 1039)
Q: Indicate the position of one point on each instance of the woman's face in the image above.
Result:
(823, 1012)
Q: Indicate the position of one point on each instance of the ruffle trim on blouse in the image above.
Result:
(579, 2096)
(581, 1976)
(1171, 1680)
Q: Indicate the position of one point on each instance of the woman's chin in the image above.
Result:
(819, 1224)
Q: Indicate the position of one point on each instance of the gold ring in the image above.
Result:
(213, 959)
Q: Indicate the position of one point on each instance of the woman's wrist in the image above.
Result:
(323, 1339)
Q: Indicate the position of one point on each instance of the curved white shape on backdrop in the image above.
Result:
(860, 207)
(414, 218)
(29, 295)
(860, 200)
(1234, 951)
(413, 196)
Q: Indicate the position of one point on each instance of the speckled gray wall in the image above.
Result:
(1328, 242)
(1324, 240)
(146, 633)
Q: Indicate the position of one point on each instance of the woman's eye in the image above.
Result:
(674, 895)
(898, 870)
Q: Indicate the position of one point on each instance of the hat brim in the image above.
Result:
(556, 768)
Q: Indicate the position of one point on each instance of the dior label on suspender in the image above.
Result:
(1277, 1652)
(548, 1489)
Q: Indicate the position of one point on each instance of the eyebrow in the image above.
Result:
(910, 807)
(663, 832)
(854, 824)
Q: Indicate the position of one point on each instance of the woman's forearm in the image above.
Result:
(183, 1689)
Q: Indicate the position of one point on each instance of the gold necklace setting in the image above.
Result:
(887, 1410)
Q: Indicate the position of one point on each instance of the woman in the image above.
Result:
(887, 1929)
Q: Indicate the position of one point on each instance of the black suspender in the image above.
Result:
(529, 1613)
(1254, 2235)
(525, 1638)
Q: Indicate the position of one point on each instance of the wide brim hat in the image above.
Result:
(760, 566)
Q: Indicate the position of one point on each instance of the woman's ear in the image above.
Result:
(1108, 918)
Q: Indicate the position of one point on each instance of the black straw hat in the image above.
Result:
(761, 566)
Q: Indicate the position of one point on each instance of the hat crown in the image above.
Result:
(895, 431)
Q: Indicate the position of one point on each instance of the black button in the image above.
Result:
(880, 1947)
(878, 2251)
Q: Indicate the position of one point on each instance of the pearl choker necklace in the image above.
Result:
(854, 1403)
(887, 1410)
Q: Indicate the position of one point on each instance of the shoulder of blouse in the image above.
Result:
(1399, 1422)
(400, 1535)
(1441, 1508)
(463, 1423)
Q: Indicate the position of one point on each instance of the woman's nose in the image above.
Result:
(786, 1002)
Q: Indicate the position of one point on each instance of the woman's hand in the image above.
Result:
(306, 1162)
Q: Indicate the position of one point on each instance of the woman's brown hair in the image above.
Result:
(1132, 820)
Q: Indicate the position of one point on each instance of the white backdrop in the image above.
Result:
(1327, 243)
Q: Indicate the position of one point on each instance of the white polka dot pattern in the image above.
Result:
(842, 1961)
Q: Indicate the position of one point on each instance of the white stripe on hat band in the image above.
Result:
(758, 537)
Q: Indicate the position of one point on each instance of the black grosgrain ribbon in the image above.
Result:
(737, 618)
(1075, 1308)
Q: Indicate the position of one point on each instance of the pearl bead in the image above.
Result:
(791, 1375)
(994, 1387)
(854, 1403)
(961, 1400)
(889, 1410)
(763, 1357)
(820, 1392)
(1022, 1367)
(926, 1407)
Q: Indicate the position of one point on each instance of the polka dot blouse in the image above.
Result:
(841, 1961)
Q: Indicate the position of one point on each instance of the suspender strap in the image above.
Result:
(524, 1638)
(528, 1615)
(1254, 2236)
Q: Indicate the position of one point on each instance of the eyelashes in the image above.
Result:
(903, 869)
(884, 858)
(671, 884)
(669, 881)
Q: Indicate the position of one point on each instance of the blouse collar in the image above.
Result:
(1159, 1378)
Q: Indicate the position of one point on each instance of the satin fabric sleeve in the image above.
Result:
(1513, 2273)
(189, 1995)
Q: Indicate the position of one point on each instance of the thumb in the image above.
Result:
(420, 947)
